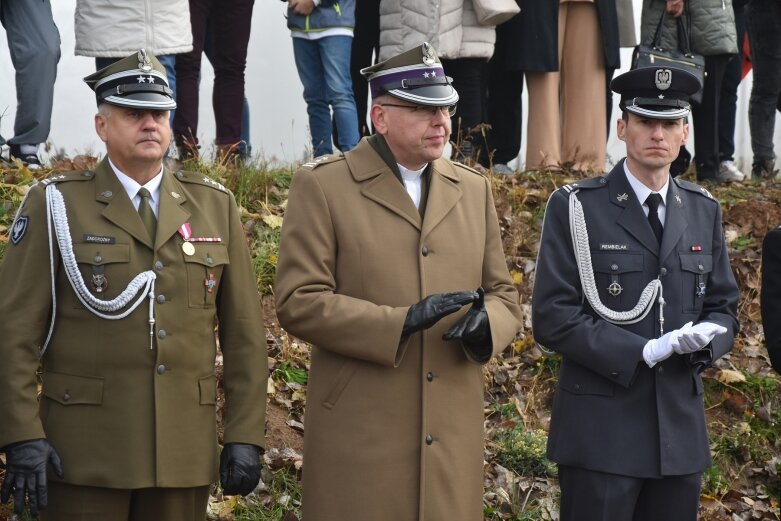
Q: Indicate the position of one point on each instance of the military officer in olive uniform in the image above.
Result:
(383, 249)
(113, 280)
(634, 290)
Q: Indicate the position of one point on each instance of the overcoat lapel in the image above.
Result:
(443, 195)
(119, 208)
(172, 214)
(675, 221)
(631, 218)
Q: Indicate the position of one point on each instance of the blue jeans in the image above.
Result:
(324, 68)
(763, 21)
(168, 61)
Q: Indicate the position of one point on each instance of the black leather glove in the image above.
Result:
(239, 468)
(431, 309)
(25, 474)
(473, 328)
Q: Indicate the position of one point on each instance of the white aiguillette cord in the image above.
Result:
(580, 244)
(143, 283)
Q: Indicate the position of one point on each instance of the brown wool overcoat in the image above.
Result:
(393, 431)
(122, 415)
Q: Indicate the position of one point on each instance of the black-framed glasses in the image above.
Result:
(426, 110)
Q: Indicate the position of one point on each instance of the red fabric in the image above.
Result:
(746, 52)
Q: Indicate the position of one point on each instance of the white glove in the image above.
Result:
(658, 349)
(695, 337)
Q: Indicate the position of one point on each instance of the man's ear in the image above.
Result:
(101, 125)
(378, 116)
(621, 129)
(685, 133)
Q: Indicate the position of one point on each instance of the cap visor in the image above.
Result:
(432, 95)
(142, 100)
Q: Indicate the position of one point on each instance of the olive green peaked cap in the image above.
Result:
(138, 81)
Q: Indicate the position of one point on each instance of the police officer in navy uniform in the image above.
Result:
(634, 290)
(113, 280)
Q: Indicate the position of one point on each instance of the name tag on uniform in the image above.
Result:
(612, 247)
(99, 239)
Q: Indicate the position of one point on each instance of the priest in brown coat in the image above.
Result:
(391, 265)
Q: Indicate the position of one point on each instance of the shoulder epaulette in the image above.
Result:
(585, 184)
(694, 187)
(62, 177)
(322, 160)
(468, 168)
(200, 179)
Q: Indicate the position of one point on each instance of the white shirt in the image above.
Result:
(132, 187)
(642, 192)
(413, 182)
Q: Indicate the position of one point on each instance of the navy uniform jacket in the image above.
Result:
(611, 412)
(770, 297)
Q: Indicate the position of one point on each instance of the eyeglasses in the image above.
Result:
(426, 110)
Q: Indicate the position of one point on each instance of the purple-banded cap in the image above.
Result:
(415, 76)
(138, 81)
(656, 92)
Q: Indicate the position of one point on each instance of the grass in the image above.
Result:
(277, 501)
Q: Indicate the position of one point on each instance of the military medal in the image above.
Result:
(188, 248)
(615, 289)
(186, 232)
(99, 280)
(210, 282)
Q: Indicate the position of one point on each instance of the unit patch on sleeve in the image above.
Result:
(19, 229)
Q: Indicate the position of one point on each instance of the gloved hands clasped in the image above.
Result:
(433, 308)
(473, 328)
(25, 474)
(687, 339)
(239, 468)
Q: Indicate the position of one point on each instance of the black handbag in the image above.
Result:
(683, 58)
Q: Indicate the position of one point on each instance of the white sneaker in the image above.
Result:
(729, 172)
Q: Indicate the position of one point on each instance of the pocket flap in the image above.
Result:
(616, 263)
(696, 262)
(207, 386)
(69, 389)
(97, 254)
(209, 254)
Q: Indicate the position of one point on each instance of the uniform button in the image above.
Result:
(614, 374)
(66, 396)
(701, 267)
(98, 258)
(209, 260)
(87, 174)
(161, 334)
(160, 369)
(424, 251)
(161, 299)
(614, 267)
(602, 181)
(158, 265)
(661, 369)
(577, 387)
(179, 175)
(429, 440)
(430, 376)
(663, 272)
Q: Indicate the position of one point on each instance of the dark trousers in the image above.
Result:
(366, 48)
(232, 20)
(728, 102)
(78, 503)
(706, 118)
(469, 80)
(504, 111)
(763, 19)
(588, 495)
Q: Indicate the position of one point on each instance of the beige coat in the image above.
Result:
(393, 431)
(122, 415)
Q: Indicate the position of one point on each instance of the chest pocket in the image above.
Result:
(204, 272)
(618, 278)
(695, 271)
(105, 268)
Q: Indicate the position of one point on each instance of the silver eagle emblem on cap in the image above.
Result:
(144, 63)
(663, 79)
(428, 54)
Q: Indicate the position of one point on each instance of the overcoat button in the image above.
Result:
(158, 265)
(161, 299)
(66, 396)
(160, 369)
(98, 258)
(161, 334)
(424, 251)
(429, 440)
(429, 376)
(663, 271)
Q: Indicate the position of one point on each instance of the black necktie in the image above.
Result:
(146, 213)
(653, 201)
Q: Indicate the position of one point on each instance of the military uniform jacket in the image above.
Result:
(611, 412)
(122, 415)
(392, 431)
